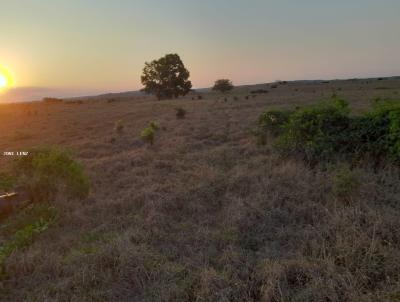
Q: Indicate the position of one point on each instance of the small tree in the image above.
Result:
(223, 85)
(166, 77)
(148, 133)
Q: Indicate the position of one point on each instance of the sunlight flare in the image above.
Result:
(6, 79)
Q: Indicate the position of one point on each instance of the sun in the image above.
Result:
(6, 79)
(3, 81)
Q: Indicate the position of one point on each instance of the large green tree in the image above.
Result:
(166, 77)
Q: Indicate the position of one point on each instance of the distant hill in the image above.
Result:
(125, 94)
(26, 94)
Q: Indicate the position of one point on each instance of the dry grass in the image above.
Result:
(204, 214)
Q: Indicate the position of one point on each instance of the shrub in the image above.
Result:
(147, 135)
(154, 126)
(271, 122)
(20, 230)
(326, 130)
(180, 113)
(47, 170)
(6, 182)
(316, 132)
(223, 85)
(119, 126)
(377, 133)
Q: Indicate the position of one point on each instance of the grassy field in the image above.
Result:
(203, 214)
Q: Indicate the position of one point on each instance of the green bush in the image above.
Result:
(327, 130)
(316, 132)
(383, 136)
(48, 170)
(273, 120)
(147, 135)
(271, 123)
(376, 133)
(154, 126)
(20, 230)
(6, 182)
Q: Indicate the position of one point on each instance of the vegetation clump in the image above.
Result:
(148, 133)
(20, 230)
(180, 113)
(377, 133)
(154, 125)
(223, 85)
(46, 171)
(327, 130)
(6, 182)
(317, 131)
(271, 123)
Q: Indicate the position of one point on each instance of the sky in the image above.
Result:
(90, 46)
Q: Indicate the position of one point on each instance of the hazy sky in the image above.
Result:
(103, 44)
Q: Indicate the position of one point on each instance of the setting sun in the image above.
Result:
(3, 81)
(6, 79)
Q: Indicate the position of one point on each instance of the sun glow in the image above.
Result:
(6, 79)
(3, 81)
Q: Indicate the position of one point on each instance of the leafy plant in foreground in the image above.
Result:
(6, 182)
(21, 229)
(48, 170)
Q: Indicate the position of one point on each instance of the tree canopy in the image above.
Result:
(223, 85)
(166, 77)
